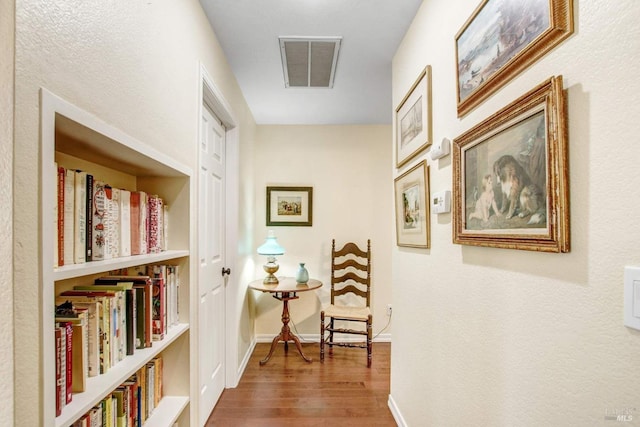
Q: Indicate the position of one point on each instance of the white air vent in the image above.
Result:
(309, 61)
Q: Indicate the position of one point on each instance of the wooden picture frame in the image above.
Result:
(510, 176)
(412, 207)
(413, 119)
(501, 39)
(290, 206)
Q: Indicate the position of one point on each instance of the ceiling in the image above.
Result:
(371, 31)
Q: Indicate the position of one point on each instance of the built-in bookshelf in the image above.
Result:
(75, 139)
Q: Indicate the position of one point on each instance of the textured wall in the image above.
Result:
(136, 66)
(347, 168)
(7, 22)
(497, 337)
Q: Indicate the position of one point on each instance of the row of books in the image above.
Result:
(98, 325)
(130, 404)
(95, 221)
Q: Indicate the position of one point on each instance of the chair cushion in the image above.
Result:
(346, 312)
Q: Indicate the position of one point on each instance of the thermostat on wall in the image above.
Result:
(441, 202)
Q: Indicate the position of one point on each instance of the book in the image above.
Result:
(106, 302)
(130, 307)
(158, 311)
(134, 221)
(155, 224)
(80, 218)
(118, 395)
(93, 338)
(99, 235)
(144, 304)
(125, 223)
(158, 389)
(68, 361)
(60, 383)
(113, 222)
(76, 318)
(69, 216)
(89, 219)
(59, 252)
(144, 223)
(95, 416)
(125, 298)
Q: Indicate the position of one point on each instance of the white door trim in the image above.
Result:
(209, 94)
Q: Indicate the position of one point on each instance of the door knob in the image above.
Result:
(226, 271)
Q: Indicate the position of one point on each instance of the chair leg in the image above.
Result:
(330, 341)
(369, 340)
(322, 336)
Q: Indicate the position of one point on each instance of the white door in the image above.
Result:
(211, 257)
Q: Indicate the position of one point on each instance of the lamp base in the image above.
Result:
(270, 268)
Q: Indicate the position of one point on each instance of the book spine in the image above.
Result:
(109, 223)
(153, 224)
(68, 212)
(125, 223)
(144, 223)
(68, 361)
(60, 396)
(80, 212)
(130, 301)
(98, 243)
(134, 214)
(89, 219)
(114, 229)
(60, 217)
(158, 308)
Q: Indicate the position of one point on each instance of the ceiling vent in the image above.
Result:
(309, 61)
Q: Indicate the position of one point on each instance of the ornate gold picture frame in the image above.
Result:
(510, 175)
(501, 39)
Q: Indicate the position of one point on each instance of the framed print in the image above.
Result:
(412, 207)
(502, 38)
(413, 119)
(289, 206)
(510, 176)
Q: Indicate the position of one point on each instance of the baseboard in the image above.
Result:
(315, 338)
(396, 412)
(244, 363)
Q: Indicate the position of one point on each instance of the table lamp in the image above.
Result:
(271, 248)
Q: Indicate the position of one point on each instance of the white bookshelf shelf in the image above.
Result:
(96, 267)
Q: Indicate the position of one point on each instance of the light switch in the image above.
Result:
(632, 297)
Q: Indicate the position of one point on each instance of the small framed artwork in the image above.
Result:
(502, 38)
(510, 176)
(412, 207)
(413, 119)
(290, 206)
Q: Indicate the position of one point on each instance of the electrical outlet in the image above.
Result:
(389, 310)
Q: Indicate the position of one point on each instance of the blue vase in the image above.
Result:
(302, 276)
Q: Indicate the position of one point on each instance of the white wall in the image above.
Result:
(499, 337)
(7, 22)
(347, 166)
(136, 66)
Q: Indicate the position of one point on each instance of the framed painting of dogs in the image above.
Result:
(510, 175)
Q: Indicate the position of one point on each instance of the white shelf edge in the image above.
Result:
(167, 412)
(95, 267)
(100, 386)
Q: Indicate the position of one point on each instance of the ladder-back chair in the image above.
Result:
(350, 274)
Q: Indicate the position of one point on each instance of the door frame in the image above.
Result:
(209, 94)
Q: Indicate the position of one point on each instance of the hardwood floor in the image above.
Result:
(287, 391)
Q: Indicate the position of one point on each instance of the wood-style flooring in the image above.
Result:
(288, 391)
